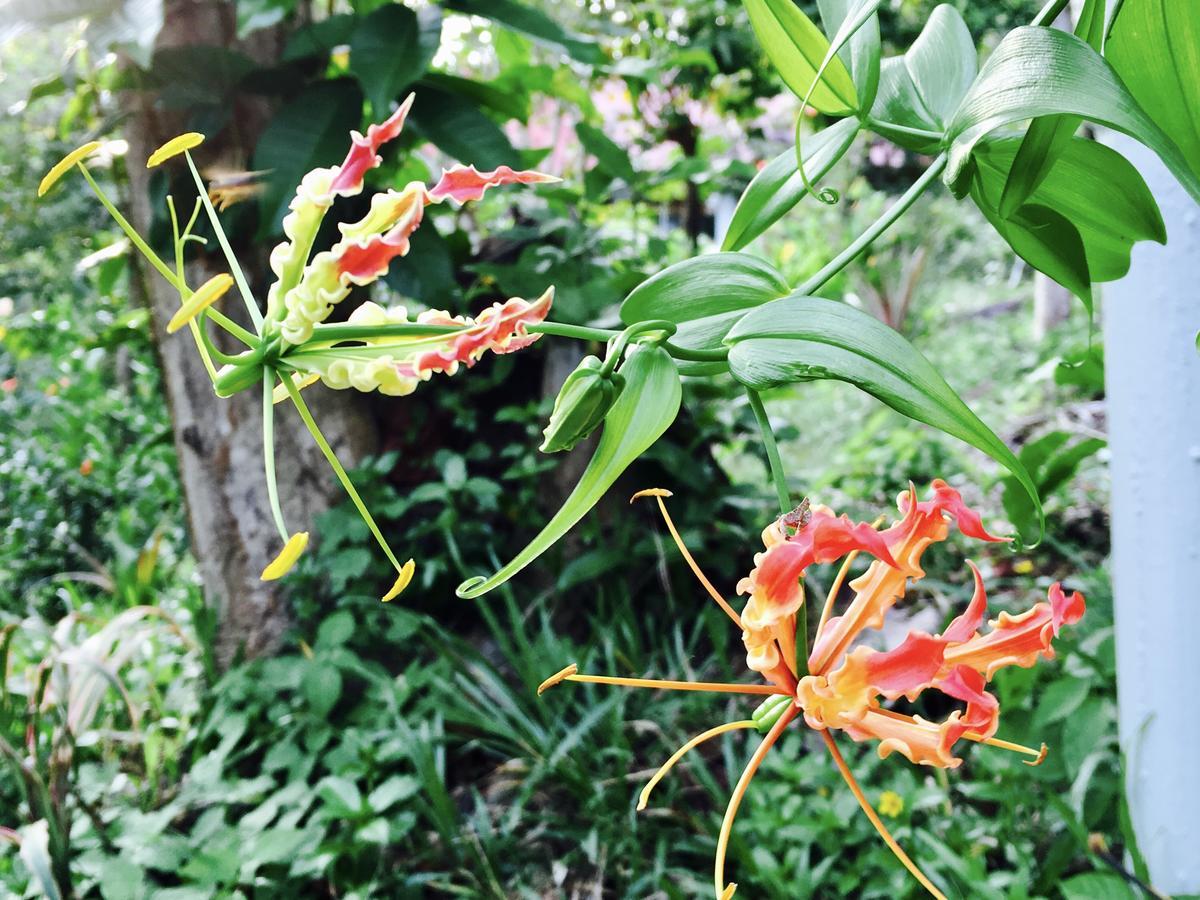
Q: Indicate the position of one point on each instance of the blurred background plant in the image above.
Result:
(400, 750)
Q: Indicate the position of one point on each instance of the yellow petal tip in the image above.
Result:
(204, 297)
(651, 492)
(282, 564)
(557, 678)
(60, 168)
(174, 147)
(728, 892)
(402, 580)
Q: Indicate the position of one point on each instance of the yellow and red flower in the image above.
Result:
(841, 687)
(305, 291)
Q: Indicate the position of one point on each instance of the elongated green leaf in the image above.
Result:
(645, 409)
(922, 89)
(1096, 189)
(533, 23)
(796, 48)
(1155, 48)
(861, 54)
(942, 62)
(1048, 136)
(458, 127)
(704, 296)
(1040, 72)
(802, 338)
(779, 186)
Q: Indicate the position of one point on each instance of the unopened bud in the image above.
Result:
(582, 403)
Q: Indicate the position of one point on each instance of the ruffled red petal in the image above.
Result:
(464, 183)
(964, 626)
(363, 154)
(363, 262)
(947, 500)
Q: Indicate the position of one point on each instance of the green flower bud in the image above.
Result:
(583, 401)
(769, 711)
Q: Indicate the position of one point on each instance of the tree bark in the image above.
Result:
(219, 442)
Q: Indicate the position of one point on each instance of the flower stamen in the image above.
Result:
(720, 687)
(722, 890)
(658, 494)
(683, 751)
(852, 783)
(1039, 755)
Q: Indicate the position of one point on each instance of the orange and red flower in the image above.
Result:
(842, 687)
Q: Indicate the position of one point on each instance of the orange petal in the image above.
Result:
(923, 743)
(1019, 640)
(965, 625)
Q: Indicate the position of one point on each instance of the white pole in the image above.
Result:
(1153, 384)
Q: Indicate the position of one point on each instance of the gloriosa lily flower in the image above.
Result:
(290, 347)
(838, 687)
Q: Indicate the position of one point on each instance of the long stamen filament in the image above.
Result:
(269, 454)
(666, 767)
(238, 275)
(719, 687)
(185, 292)
(723, 891)
(852, 783)
(134, 237)
(339, 471)
(683, 550)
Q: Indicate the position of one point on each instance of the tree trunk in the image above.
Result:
(219, 442)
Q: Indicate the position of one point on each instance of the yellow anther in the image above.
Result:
(204, 297)
(174, 147)
(300, 380)
(60, 168)
(282, 564)
(402, 580)
(557, 678)
(728, 892)
(651, 492)
(1041, 757)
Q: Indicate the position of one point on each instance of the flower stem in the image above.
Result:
(772, 450)
(238, 275)
(579, 332)
(878, 227)
(331, 457)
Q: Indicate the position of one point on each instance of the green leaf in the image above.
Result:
(861, 54)
(322, 686)
(319, 38)
(796, 48)
(1093, 186)
(1097, 886)
(1048, 241)
(1042, 71)
(532, 23)
(508, 103)
(460, 130)
(312, 130)
(801, 338)
(1155, 48)
(1048, 136)
(645, 409)
(704, 296)
(388, 53)
(609, 156)
(341, 796)
(779, 186)
(923, 88)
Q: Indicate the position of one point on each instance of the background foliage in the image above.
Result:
(400, 750)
